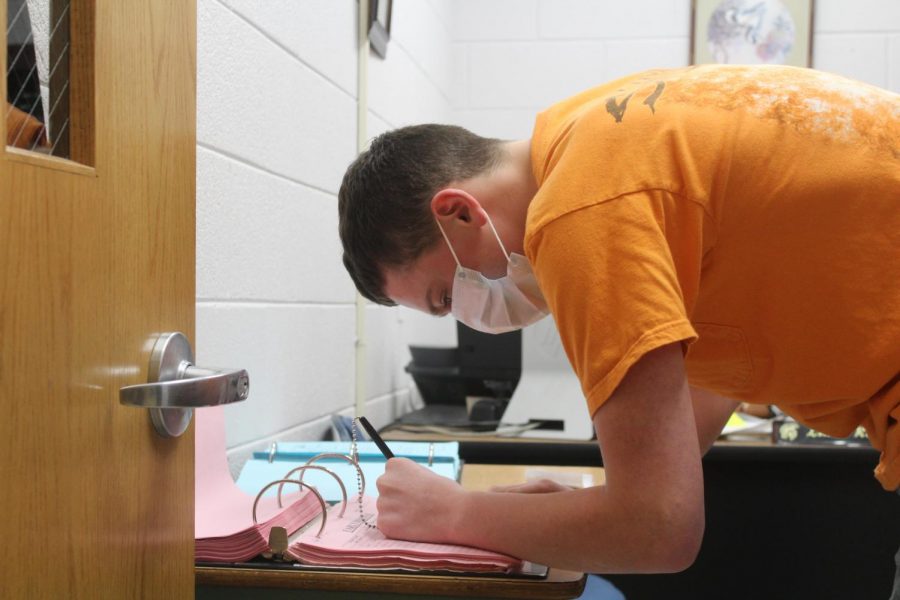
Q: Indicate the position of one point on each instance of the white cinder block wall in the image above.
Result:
(516, 57)
(276, 128)
(859, 39)
(512, 58)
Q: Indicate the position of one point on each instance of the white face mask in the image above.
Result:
(496, 305)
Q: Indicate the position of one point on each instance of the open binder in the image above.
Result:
(224, 527)
(282, 524)
(441, 458)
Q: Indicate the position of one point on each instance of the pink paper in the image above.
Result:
(223, 513)
(348, 542)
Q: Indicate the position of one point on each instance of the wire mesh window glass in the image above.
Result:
(38, 35)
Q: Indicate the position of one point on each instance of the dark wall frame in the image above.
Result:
(380, 25)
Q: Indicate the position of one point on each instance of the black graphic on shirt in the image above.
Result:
(617, 109)
(652, 98)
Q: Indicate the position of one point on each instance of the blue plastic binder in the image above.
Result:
(260, 470)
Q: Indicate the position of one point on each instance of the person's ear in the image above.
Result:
(452, 205)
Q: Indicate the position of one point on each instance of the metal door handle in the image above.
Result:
(176, 386)
(198, 388)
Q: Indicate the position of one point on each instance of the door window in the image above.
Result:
(48, 89)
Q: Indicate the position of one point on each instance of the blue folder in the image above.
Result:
(259, 471)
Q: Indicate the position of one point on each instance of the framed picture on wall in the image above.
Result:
(775, 32)
(380, 25)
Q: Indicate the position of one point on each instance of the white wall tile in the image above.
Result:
(300, 360)
(501, 123)
(261, 237)
(257, 102)
(375, 126)
(422, 329)
(590, 19)
(386, 352)
(424, 37)
(401, 94)
(459, 78)
(276, 130)
(386, 409)
(861, 57)
(495, 20)
(856, 16)
(894, 63)
(522, 75)
(445, 10)
(321, 33)
(630, 56)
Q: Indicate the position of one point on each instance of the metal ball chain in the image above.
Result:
(354, 454)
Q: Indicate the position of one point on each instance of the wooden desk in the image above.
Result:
(781, 521)
(233, 583)
(482, 477)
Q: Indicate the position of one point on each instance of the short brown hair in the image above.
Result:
(384, 200)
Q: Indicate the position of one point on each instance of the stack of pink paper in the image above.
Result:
(348, 542)
(223, 514)
(226, 532)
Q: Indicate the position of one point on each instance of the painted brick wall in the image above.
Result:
(514, 57)
(859, 39)
(276, 127)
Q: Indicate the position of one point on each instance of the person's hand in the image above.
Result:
(417, 504)
(537, 486)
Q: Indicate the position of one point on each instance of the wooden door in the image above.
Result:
(96, 259)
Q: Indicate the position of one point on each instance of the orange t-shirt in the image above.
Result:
(752, 213)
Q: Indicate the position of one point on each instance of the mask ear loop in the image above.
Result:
(499, 241)
(449, 245)
(493, 229)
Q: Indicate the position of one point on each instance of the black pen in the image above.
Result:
(376, 438)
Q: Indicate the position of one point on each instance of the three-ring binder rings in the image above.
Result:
(279, 522)
(440, 457)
